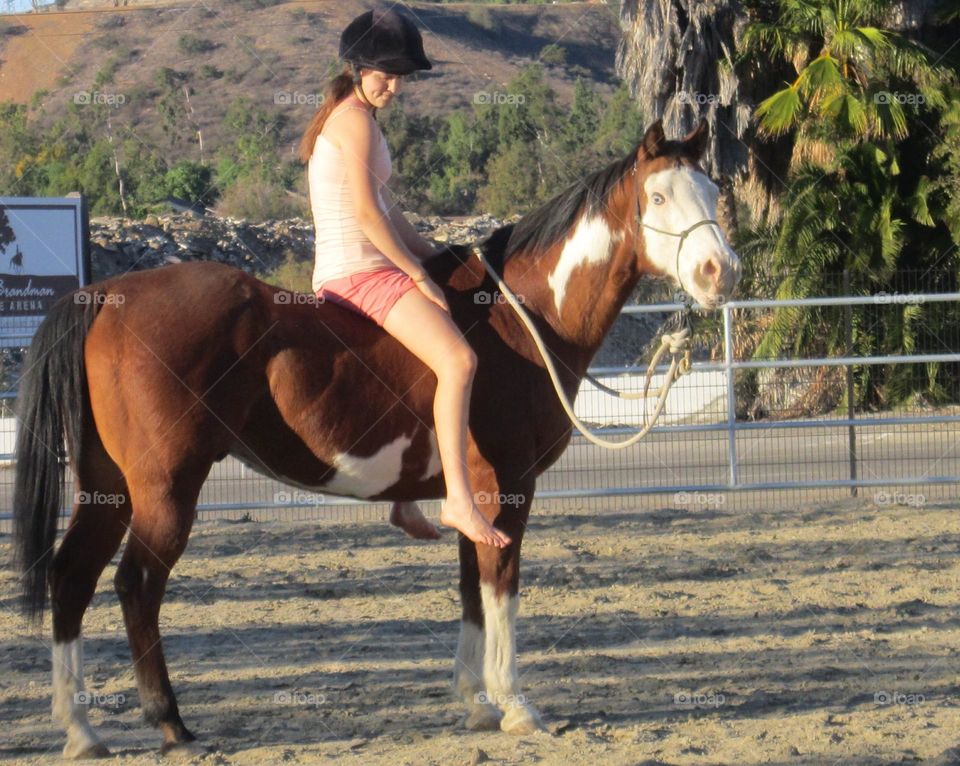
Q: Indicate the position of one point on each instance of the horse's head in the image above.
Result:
(677, 203)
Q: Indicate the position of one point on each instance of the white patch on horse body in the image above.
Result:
(689, 197)
(500, 653)
(67, 685)
(368, 476)
(591, 243)
(355, 476)
(434, 466)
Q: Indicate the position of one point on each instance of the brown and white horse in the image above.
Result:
(153, 376)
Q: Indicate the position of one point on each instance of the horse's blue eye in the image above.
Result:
(657, 198)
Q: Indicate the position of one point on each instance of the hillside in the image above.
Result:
(239, 49)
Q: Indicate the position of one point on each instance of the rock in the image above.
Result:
(477, 756)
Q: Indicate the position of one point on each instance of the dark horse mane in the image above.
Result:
(552, 221)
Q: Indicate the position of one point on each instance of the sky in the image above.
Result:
(18, 6)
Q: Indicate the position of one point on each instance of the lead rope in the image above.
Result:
(676, 343)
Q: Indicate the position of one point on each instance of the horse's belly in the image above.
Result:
(414, 457)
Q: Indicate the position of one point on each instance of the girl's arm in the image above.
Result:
(419, 246)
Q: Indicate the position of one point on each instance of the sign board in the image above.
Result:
(44, 255)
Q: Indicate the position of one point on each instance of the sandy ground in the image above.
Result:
(816, 636)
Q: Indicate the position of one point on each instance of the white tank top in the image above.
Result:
(341, 246)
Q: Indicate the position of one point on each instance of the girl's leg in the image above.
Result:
(429, 332)
(409, 517)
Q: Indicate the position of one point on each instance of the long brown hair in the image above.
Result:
(337, 89)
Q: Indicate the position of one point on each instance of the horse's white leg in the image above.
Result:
(500, 662)
(468, 679)
(69, 701)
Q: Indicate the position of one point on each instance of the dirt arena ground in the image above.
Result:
(815, 636)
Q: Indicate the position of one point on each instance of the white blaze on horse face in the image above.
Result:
(590, 243)
(69, 708)
(368, 476)
(676, 199)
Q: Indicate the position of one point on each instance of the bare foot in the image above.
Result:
(411, 520)
(466, 517)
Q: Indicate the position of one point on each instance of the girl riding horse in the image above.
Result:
(368, 255)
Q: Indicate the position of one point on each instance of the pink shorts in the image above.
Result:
(371, 293)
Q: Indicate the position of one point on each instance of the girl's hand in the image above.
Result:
(429, 288)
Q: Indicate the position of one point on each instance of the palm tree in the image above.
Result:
(678, 58)
(845, 64)
(866, 197)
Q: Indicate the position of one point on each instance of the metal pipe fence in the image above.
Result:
(738, 429)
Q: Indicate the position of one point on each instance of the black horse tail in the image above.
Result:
(51, 401)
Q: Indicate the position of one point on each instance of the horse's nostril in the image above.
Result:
(710, 269)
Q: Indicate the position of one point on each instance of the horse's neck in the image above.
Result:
(577, 288)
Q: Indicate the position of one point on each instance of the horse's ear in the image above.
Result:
(653, 140)
(695, 142)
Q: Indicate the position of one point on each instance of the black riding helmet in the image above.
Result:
(383, 39)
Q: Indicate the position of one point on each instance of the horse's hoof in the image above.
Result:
(86, 750)
(520, 720)
(482, 718)
(176, 751)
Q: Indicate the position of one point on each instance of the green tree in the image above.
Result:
(191, 181)
(512, 188)
(454, 188)
(848, 83)
(416, 156)
(19, 150)
(171, 104)
(621, 124)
